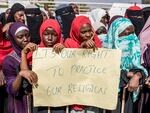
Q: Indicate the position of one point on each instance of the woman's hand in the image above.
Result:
(88, 44)
(148, 82)
(130, 74)
(58, 47)
(91, 44)
(30, 76)
(133, 84)
(29, 47)
(6, 27)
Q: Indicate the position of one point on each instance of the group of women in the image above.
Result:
(94, 31)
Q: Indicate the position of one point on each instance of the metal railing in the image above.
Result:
(83, 6)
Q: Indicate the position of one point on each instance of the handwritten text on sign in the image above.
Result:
(77, 76)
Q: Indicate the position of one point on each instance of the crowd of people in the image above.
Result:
(23, 30)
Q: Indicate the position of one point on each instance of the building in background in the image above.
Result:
(84, 5)
(146, 1)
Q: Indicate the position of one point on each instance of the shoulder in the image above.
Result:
(70, 43)
(9, 62)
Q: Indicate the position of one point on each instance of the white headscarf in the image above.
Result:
(42, 9)
(95, 16)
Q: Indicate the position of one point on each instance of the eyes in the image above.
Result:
(23, 35)
(19, 13)
(138, 17)
(48, 33)
(84, 32)
(127, 31)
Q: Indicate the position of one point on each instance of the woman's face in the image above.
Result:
(129, 30)
(44, 16)
(86, 32)
(7, 13)
(19, 16)
(101, 30)
(22, 38)
(104, 20)
(50, 37)
(75, 8)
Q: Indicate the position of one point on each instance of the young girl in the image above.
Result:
(82, 36)
(50, 34)
(19, 81)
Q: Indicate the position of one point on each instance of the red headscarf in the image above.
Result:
(53, 24)
(133, 8)
(75, 40)
(5, 46)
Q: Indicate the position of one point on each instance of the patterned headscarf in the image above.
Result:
(129, 45)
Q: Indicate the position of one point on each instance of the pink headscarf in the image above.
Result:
(144, 38)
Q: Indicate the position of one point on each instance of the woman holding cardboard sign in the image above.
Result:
(18, 81)
(82, 35)
(50, 34)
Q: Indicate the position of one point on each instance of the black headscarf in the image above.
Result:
(136, 17)
(34, 21)
(16, 7)
(2, 18)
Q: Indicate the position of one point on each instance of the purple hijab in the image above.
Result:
(17, 100)
(144, 38)
(14, 27)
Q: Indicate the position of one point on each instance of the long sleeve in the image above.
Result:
(10, 69)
